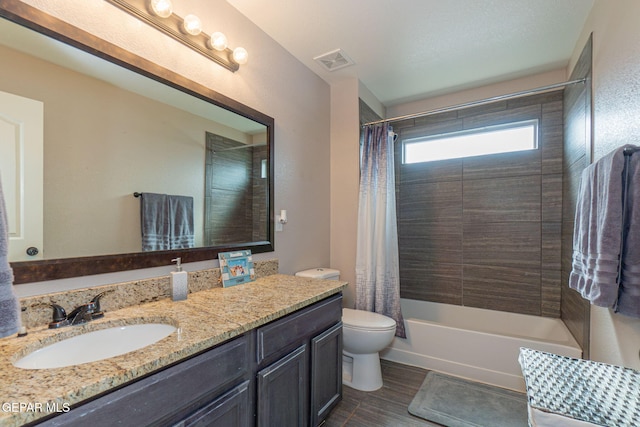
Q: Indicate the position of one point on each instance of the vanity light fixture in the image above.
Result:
(240, 55)
(218, 41)
(188, 30)
(161, 8)
(192, 25)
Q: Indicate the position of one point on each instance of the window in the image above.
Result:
(518, 136)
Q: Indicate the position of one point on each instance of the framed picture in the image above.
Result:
(236, 267)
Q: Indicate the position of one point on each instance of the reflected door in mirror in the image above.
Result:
(21, 144)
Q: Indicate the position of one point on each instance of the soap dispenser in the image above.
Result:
(179, 285)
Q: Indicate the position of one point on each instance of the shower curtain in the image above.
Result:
(377, 265)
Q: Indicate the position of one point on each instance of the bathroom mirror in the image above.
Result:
(116, 124)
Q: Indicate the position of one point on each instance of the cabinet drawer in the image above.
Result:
(280, 336)
(169, 395)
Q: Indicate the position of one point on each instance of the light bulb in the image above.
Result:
(240, 55)
(192, 25)
(218, 41)
(161, 8)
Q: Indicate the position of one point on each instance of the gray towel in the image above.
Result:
(166, 222)
(629, 299)
(181, 230)
(597, 231)
(9, 306)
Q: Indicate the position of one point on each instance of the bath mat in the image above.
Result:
(455, 402)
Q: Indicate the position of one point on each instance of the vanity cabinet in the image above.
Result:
(213, 385)
(285, 373)
(300, 366)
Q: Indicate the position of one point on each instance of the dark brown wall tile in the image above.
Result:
(431, 201)
(444, 170)
(551, 246)
(575, 311)
(449, 116)
(506, 289)
(430, 242)
(503, 244)
(529, 112)
(570, 187)
(551, 137)
(551, 293)
(502, 165)
(552, 198)
(541, 98)
(437, 282)
(501, 199)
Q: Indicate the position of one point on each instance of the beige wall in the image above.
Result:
(273, 82)
(616, 108)
(344, 181)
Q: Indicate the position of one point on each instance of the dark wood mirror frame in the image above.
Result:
(37, 271)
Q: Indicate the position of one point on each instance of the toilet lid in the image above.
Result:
(366, 320)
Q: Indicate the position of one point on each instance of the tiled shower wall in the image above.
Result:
(577, 152)
(484, 231)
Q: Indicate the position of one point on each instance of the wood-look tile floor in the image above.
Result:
(386, 407)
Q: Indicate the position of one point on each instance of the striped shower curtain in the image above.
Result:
(377, 265)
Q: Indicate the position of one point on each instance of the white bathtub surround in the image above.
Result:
(478, 344)
(377, 259)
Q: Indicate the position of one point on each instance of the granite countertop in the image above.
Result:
(205, 319)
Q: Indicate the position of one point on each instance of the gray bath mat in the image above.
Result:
(455, 402)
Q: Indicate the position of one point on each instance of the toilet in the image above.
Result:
(364, 335)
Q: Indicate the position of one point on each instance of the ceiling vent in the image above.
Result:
(334, 60)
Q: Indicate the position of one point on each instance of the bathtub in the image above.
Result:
(473, 343)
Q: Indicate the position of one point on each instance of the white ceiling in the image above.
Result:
(406, 50)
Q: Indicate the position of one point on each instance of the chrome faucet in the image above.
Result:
(81, 314)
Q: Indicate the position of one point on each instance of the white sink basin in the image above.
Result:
(96, 345)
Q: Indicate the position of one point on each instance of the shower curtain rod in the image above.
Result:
(476, 103)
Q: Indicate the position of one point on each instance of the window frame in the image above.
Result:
(479, 130)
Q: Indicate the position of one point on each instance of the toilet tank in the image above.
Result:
(320, 273)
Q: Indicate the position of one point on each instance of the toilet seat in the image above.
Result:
(366, 320)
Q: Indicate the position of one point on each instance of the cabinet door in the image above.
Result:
(229, 410)
(326, 373)
(283, 391)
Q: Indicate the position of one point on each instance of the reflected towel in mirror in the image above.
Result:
(166, 222)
